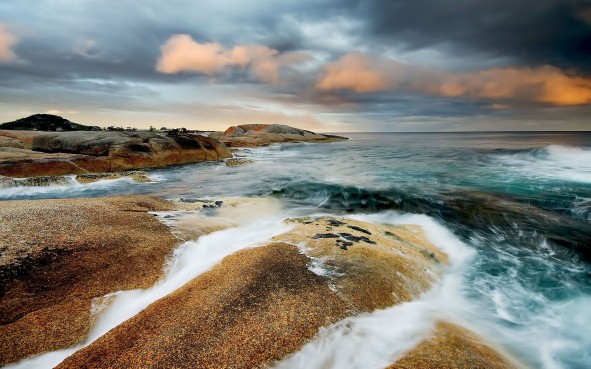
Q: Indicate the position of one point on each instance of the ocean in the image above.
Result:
(513, 211)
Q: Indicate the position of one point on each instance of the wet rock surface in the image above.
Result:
(453, 347)
(234, 162)
(259, 305)
(254, 309)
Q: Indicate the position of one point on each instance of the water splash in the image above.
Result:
(376, 339)
(567, 163)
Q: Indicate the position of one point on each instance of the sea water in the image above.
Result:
(520, 203)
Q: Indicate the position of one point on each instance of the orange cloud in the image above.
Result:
(7, 41)
(353, 72)
(181, 53)
(547, 84)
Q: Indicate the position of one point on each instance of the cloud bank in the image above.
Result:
(546, 84)
(347, 64)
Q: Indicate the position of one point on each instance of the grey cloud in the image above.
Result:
(532, 32)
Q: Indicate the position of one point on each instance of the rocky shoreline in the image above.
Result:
(37, 153)
(33, 153)
(256, 307)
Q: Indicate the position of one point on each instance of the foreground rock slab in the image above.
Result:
(260, 305)
(34, 153)
(453, 347)
(58, 255)
(252, 135)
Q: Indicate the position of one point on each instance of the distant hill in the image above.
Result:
(46, 122)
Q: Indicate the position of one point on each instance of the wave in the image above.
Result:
(62, 187)
(567, 163)
(467, 213)
(502, 292)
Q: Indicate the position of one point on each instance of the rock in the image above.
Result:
(251, 135)
(374, 271)
(58, 255)
(8, 182)
(259, 305)
(136, 175)
(453, 347)
(234, 162)
(196, 217)
(217, 135)
(255, 308)
(33, 153)
(11, 142)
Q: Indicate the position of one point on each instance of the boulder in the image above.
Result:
(254, 309)
(261, 304)
(136, 175)
(56, 256)
(33, 153)
(250, 135)
(234, 162)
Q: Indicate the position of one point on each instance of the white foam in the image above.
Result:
(377, 339)
(73, 187)
(566, 163)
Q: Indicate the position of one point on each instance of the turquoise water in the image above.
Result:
(522, 201)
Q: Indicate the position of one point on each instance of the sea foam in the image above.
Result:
(376, 339)
(568, 163)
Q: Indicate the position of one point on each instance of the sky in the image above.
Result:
(323, 65)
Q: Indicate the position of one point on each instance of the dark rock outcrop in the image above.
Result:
(32, 153)
(46, 122)
(250, 135)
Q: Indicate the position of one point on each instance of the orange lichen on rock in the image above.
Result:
(453, 347)
(57, 255)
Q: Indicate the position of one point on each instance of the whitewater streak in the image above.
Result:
(377, 339)
(568, 163)
(189, 261)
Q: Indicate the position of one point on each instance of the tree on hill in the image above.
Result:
(46, 122)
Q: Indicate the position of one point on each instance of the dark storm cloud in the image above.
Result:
(531, 32)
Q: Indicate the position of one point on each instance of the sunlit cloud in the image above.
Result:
(61, 112)
(547, 84)
(354, 72)
(7, 42)
(181, 53)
